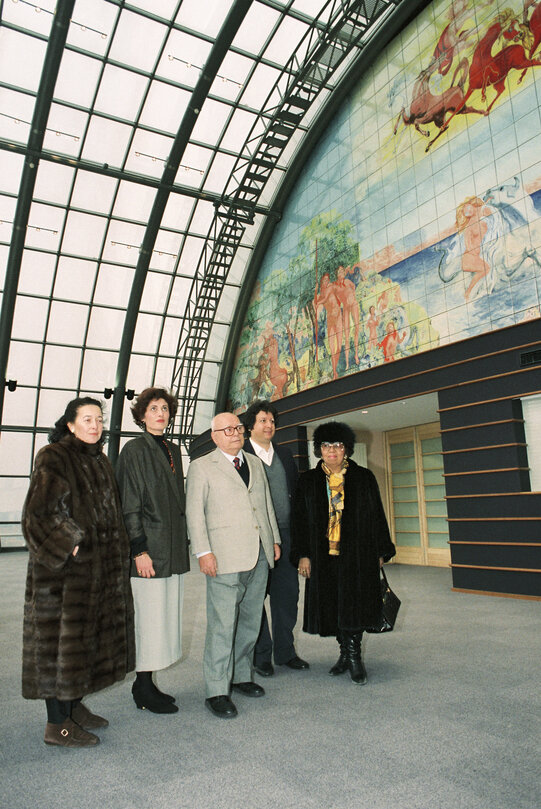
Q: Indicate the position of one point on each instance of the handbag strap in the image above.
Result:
(382, 571)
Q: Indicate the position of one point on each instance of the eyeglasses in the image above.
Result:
(333, 444)
(229, 431)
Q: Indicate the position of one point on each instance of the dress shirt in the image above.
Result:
(229, 457)
(266, 455)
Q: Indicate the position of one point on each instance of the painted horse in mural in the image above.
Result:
(455, 36)
(488, 70)
(534, 26)
(432, 108)
(493, 239)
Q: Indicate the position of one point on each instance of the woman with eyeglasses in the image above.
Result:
(151, 483)
(340, 539)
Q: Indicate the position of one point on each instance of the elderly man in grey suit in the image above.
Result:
(235, 536)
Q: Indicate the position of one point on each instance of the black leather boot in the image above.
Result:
(341, 664)
(353, 657)
(147, 697)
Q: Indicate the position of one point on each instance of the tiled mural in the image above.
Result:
(417, 221)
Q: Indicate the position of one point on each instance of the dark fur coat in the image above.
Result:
(342, 592)
(78, 615)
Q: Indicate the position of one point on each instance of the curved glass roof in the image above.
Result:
(142, 146)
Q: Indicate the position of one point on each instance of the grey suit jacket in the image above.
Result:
(227, 517)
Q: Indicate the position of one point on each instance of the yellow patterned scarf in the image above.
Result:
(335, 489)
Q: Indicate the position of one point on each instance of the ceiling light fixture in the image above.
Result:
(154, 158)
(39, 9)
(190, 65)
(57, 132)
(37, 228)
(126, 245)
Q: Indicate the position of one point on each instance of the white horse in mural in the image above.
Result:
(498, 244)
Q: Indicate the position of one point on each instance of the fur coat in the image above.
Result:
(343, 592)
(78, 614)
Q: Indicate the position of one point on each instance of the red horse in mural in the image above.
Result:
(534, 25)
(429, 108)
(488, 70)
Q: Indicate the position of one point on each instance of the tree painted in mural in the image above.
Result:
(344, 317)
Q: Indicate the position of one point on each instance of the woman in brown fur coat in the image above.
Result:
(78, 613)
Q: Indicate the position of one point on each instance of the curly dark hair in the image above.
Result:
(333, 431)
(147, 396)
(61, 428)
(260, 405)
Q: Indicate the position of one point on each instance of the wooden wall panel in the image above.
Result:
(479, 383)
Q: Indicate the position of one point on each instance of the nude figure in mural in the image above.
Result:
(472, 225)
(391, 340)
(326, 299)
(277, 374)
(372, 322)
(383, 300)
(345, 293)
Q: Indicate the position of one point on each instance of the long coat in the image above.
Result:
(342, 592)
(78, 632)
(153, 503)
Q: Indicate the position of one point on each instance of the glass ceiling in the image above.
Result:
(141, 147)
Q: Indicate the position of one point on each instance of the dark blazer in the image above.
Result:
(343, 592)
(153, 503)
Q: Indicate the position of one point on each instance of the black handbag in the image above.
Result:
(389, 608)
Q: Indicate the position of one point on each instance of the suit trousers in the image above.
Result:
(283, 591)
(234, 605)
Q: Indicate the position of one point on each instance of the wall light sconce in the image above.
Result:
(129, 394)
(107, 393)
(11, 384)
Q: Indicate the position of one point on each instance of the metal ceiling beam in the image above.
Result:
(49, 75)
(118, 174)
(201, 90)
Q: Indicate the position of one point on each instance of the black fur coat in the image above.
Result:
(342, 592)
(78, 615)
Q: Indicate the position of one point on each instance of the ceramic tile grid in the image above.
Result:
(433, 212)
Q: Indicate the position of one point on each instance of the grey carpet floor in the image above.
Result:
(449, 719)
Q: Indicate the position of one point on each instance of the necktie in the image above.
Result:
(236, 463)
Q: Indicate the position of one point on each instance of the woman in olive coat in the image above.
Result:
(340, 539)
(78, 613)
(149, 474)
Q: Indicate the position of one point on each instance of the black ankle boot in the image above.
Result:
(341, 664)
(147, 682)
(147, 697)
(353, 657)
(167, 697)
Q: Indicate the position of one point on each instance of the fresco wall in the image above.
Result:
(417, 221)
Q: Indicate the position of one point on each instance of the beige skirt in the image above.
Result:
(158, 621)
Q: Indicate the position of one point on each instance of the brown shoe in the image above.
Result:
(86, 719)
(68, 734)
